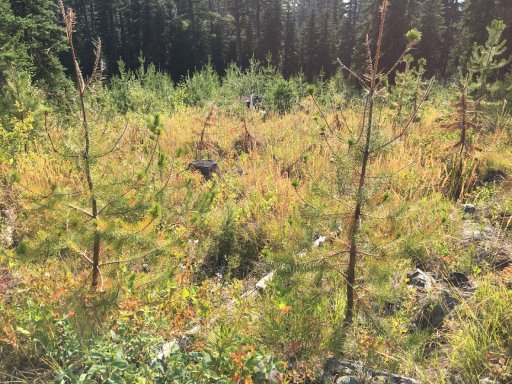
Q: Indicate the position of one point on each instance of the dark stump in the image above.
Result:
(205, 167)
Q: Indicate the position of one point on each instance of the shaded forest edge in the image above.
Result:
(181, 37)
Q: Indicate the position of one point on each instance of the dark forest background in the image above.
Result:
(296, 36)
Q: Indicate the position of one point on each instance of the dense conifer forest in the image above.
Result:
(256, 191)
(182, 36)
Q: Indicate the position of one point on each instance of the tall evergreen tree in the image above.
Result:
(32, 39)
(249, 45)
(349, 21)
(504, 12)
(290, 52)
(450, 49)
(366, 26)
(394, 35)
(180, 36)
(398, 23)
(271, 42)
(432, 28)
(326, 48)
(486, 61)
(478, 14)
(236, 9)
(309, 47)
(107, 30)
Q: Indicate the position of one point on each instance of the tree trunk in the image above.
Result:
(459, 177)
(238, 29)
(96, 259)
(355, 225)
(86, 153)
(258, 25)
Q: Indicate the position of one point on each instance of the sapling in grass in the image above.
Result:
(117, 199)
(484, 65)
(368, 142)
(461, 175)
(477, 105)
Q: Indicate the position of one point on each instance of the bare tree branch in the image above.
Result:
(410, 120)
(81, 210)
(129, 260)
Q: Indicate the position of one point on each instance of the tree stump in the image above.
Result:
(205, 167)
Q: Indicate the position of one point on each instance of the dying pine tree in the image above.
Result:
(461, 166)
(369, 141)
(118, 199)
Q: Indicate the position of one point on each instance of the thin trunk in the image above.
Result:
(90, 185)
(122, 34)
(355, 225)
(86, 156)
(238, 35)
(91, 17)
(463, 128)
(83, 11)
(258, 26)
(352, 30)
(192, 16)
(94, 204)
(22, 110)
(96, 259)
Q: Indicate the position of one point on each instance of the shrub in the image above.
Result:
(125, 357)
(201, 87)
(282, 96)
(144, 91)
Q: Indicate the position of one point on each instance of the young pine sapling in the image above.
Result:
(119, 198)
(369, 143)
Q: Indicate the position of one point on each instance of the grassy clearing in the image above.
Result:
(241, 225)
(175, 254)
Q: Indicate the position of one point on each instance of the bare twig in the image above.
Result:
(130, 260)
(409, 121)
(81, 210)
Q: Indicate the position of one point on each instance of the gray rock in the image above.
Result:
(167, 348)
(458, 279)
(347, 380)
(8, 221)
(435, 309)
(7, 282)
(345, 370)
(184, 342)
(262, 283)
(320, 241)
(473, 231)
(493, 175)
(252, 101)
(469, 209)
(493, 248)
(421, 279)
(336, 367)
(488, 381)
(275, 376)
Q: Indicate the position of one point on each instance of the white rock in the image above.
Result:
(320, 241)
(167, 348)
